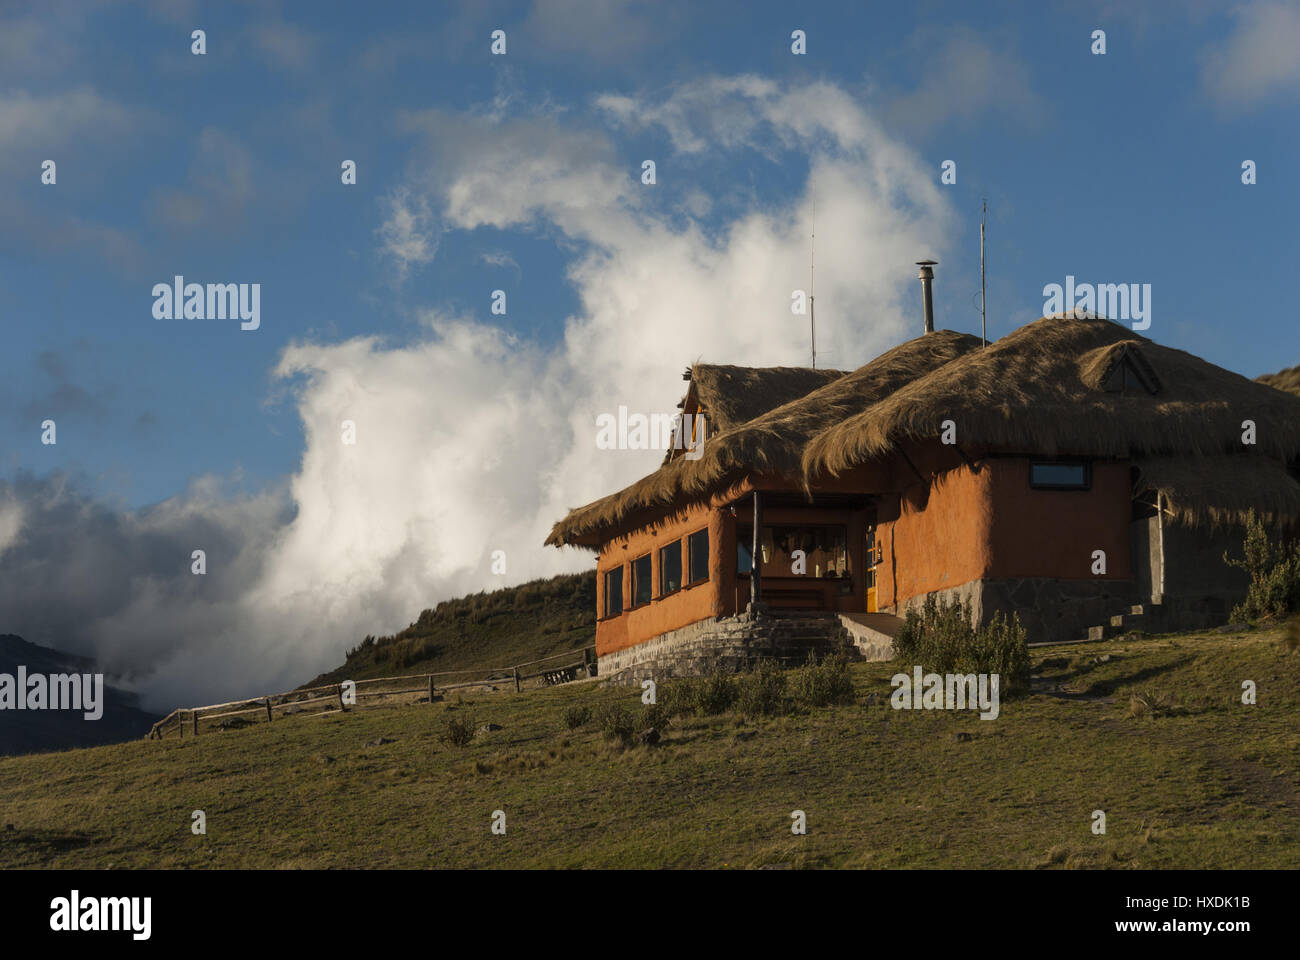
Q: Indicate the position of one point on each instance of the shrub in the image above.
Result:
(940, 639)
(761, 692)
(616, 722)
(1274, 570)
(823, 684)
(714, 694)
(676, 698)
(654, 716)
(575, 717)
(460, 731)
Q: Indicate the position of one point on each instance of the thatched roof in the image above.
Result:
(1060, 385)
(772, 441)
(1288, 380)
(1040, 389)
(1220, 490)
(729, 396)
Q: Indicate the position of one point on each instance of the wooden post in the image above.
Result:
(756, 555)
(431, 688)
(268, 709)
(342, 706)
(194, 716)
(516, 679)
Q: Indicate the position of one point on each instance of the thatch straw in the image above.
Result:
(1220, 490)
(729, 396)
(1036, 390)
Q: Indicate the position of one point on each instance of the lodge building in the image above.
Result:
(1073, 472)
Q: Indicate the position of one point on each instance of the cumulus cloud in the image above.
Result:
(469, 439)
(1258, 58)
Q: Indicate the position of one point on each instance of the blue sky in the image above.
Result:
(521, 172)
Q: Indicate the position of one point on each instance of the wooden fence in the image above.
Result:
(329, 698)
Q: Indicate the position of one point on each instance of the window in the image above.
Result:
(641, 580)
(1059, 476)
(670, 568)
(697, 548)
(614, 592)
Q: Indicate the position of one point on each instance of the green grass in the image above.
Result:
(1201, 781)
(482, 631)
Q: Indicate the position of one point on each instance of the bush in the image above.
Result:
(616, 722)
(1274, 569)
(714, 694)
(940, 639)
(460, 731)
(823, 684)
(761, 692)
(654, 716)
(575, 717)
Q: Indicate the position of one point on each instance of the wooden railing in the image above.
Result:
(325, 698)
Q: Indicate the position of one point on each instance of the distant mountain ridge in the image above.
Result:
(34, 731)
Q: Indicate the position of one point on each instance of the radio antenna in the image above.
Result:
(812, 278)
(984, 340)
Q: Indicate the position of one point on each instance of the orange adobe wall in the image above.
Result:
(683, 607)
(1053, 533)
(991, 524)
(932, 543)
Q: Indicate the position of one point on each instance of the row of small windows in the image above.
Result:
(670, 573)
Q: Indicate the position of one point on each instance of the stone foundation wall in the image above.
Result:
(1052, 611)
(725, 644)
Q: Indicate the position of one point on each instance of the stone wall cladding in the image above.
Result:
(1053, 611)
(725, 644)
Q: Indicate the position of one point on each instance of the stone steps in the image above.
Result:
(1140, 616)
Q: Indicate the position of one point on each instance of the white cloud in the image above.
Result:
(1258, 60)
(407, 231)
(11, 522)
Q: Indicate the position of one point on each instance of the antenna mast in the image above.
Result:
(984, 340)
(812, 285)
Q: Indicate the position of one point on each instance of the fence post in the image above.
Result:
(431, 688)
(342, 706)
(268, 709)
(516, 679)
(194, 716)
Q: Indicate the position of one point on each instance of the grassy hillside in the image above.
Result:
(1200, 780)
(483, 630)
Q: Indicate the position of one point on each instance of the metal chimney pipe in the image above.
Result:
(927, 297)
